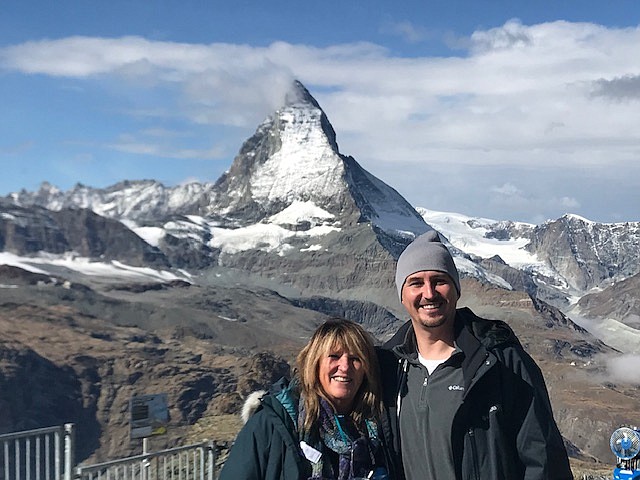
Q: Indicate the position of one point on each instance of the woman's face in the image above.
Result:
(341, 374)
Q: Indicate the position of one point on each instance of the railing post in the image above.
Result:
(69, 447)
(57, 453)
(211, 461)
(6, 459)
(202, 452)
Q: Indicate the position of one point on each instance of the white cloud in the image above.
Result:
(511, 35)
(408, 31)
(569, 203)
(518, 84)
(508, 190)
(625, 368)
(132, 145)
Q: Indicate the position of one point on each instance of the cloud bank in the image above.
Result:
(524, 122)
(625, 368)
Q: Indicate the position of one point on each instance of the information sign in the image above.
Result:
(149, 415)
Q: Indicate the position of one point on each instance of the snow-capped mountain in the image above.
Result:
(142, 199)
(292, 157)
(590, 255)
(36, 230)
(290, 198)
(571, 254)
(293, 160)
(290, 207)
(288, 182)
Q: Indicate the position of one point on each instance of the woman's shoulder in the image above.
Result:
(280, 400)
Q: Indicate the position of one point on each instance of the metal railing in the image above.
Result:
(48, 454)
(191, 462)
(40, 454)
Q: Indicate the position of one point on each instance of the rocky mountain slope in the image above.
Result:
(71, 354)
(197, 280)
(619, 301)
(589, 254)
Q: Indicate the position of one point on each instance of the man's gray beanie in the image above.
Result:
(425, 253)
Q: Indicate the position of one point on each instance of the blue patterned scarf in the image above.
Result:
(340, 440)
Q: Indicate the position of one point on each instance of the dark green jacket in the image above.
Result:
(267, 447)
(504, 428)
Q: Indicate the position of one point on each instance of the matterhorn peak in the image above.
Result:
(293, 158)
(298, 104)
(298, 94)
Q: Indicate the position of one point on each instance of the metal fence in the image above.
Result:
(48, 454)
(191, 462)
(40, 454)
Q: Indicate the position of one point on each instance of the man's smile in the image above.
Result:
(431, 306)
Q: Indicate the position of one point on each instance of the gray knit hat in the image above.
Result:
(425, 253)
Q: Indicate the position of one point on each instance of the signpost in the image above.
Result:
(149, 417)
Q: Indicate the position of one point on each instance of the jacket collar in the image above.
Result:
(475, 336)
(490, 333)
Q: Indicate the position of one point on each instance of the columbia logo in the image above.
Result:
(456, 387)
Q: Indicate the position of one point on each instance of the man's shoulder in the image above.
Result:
(491, 333)
(398, 338)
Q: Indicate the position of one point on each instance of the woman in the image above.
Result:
(323, 425)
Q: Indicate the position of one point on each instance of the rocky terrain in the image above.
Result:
(70, 354)
(619, 301)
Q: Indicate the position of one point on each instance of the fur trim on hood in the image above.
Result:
(251, 404)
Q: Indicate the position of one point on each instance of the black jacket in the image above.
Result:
(504, 428)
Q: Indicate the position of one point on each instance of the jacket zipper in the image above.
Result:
(474, 454)
(404, 364)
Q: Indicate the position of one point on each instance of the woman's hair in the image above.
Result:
(339, 333)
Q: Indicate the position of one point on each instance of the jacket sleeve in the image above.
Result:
(388, 421)
(538, 441)
(250, 452)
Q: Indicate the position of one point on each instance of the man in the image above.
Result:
(462, 397)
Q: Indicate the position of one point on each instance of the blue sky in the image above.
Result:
(514, 110)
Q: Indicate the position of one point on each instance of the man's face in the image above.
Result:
(430, 298)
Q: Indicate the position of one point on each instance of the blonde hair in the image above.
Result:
(343, 334)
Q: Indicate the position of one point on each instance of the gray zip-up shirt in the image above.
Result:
(426, 416)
